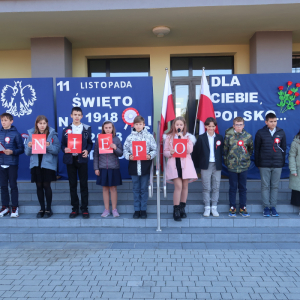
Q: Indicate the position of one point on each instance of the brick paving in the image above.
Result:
(41, 273)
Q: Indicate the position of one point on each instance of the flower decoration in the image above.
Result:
(288, 97)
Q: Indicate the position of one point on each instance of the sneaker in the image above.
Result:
(4, 211)
(14, 212)
(73, 214)
(85, 214)
(243, 212)
(214, 211)
(232, 212)
(274, 213)
(206, 211)
(115, 213)
(266, 212)
(136, 214)
(143, 214)
(106, 213)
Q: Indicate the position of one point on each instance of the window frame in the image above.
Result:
(107, 64)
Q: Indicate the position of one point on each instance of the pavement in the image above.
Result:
(94, 271)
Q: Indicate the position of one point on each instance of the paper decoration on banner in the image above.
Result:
(2, 148)
(75, 143)
(128, 116)
(180, 147)
(104, 142)
(139, 150)
(38, 144)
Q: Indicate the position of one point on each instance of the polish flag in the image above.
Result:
(205, 105)
(167, 113)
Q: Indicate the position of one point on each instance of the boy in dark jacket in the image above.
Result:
(270, 147)
(140, 169)
(209, 148)
(238, 148)
(77, 163)
(11, 140)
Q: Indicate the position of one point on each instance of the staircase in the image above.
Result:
(195, 229)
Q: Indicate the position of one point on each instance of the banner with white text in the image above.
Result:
(252, 97)
(102, 99)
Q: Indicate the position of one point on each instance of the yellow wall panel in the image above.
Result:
(15, 64)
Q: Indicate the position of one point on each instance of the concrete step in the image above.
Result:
(30, 195)
(149, 235)
(127, 185)
(256, 220)
(126, 206)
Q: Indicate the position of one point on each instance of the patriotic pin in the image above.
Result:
(277, 141)
(69, 131)
(241, 144)
(218, 143)
(7, 140)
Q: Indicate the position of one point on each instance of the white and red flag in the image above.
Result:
(167, 112)
(205, 105)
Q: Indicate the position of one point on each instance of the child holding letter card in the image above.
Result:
(43, 162)
(140, 169)
(107, 166)
(179, 171)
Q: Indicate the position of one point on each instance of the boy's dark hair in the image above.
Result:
(210, 120)
(138, 119)
(270, 116)
(76, 108)
(238, 119)
(7, 115)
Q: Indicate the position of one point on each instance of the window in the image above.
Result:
(192, 66)
(186, 75)
(119, 67)
(296, 64)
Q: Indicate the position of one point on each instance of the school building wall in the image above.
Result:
(17, 63)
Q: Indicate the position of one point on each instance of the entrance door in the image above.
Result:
(186, 99)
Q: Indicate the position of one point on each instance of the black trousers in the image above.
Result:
(9, 175)
(82, 170)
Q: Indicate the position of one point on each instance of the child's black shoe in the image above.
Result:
(40, 214)
(143, 214)
(136, 214)
(48, 214)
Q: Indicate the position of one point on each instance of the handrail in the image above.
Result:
(150, 187)
(164, 174)
(158, 176)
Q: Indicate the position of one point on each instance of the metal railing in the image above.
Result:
(158, 176)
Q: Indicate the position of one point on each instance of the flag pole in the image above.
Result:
(203, 68)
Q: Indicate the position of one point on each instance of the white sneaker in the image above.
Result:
(4, 211)
(214, 211)
(206, 211)
(14, 212)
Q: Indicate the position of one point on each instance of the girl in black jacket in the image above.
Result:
(107, 168)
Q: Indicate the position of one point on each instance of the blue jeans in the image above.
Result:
(140, 191)
(9, 175)
(238, 180)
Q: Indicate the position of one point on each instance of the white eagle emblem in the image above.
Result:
(18, 99)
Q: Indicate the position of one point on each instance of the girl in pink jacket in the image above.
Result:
(179, 171)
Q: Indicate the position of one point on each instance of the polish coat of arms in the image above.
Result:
(17, 99)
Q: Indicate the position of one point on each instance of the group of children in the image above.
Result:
(236, 147)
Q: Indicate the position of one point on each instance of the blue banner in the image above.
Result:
(102, 99)
(25, 99)
(252, 97)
